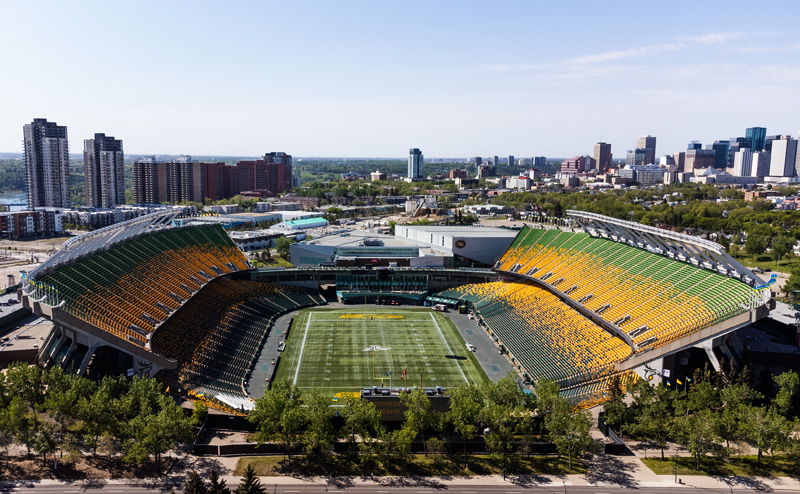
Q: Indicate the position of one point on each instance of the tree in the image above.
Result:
(793, 283)
(64, 392)
(696, 433)
(217, 485)
(501, 421)
(98, 412)
(44, 440)
(570, 432)
(418, 413)
(199, 413)
(26, 381)
(755, 245)
(652, 407)
(361, 420)
(250, 483)
(465, 409)
(781, 245)
(762, 429)
(788, 384)
(278, 416)
(282, 247)
(319, 434)
(21, 422)
(729, 423)
(194, 484)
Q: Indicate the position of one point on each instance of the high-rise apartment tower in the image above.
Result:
(103, 171)
(47, 164)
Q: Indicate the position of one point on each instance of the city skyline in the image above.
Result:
(330, 80)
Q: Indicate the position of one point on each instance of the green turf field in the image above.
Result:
(345, 350)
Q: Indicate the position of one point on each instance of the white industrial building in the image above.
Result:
(354, 248)
(481, 245)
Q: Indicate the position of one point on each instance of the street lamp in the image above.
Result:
(676, 463)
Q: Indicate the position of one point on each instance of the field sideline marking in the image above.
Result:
(300, 358)
(449, 350)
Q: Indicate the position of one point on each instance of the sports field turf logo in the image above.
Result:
(371, 316)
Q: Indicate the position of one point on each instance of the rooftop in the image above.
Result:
(466, 231)
(355, 239)
(306, 221)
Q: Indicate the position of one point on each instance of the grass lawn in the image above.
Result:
(345, 350)
(779, 466)
(415, 465)
(766, 261)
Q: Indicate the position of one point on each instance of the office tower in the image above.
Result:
(783, 157)
(477, 161)
(522, 162)
(720, 149)
(539, 161)
(680, 161)
(760, 164)
(485, 171)
(666, 161)
(695, 145)
(743, 163)
(47, 164)
(768, 142)
(648, 143)
(591, 163)
(103, 171)
(415, 161)
(462, 174)
(495, 160)
(602, 155)
(737, 144)
(510, 160)
(757, 136)
(574, 165)
(699, 158)
(636, 156)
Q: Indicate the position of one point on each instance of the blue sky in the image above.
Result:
(375, 78)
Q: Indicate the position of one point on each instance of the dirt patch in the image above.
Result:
(87, 468)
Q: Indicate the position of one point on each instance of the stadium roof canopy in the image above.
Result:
(104, 238)
(693, 250)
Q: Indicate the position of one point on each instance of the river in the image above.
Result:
(14, 198)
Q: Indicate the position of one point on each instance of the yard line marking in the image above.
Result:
(302, 347)
(449, 350)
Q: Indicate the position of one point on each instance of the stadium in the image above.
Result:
(581, 300)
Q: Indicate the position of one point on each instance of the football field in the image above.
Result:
(345, 350)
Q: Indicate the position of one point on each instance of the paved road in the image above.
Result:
(421, 487)
(495, 364)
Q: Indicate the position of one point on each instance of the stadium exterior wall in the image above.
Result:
(90, 335)
(694, 339)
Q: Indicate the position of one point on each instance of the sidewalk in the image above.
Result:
(604, 471)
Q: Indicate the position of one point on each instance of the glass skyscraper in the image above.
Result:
(758, 136)
(415, 164)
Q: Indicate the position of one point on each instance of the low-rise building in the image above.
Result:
(469, 245)
(302, 224)
(352, 248)
(255, 240)
(35, 223)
